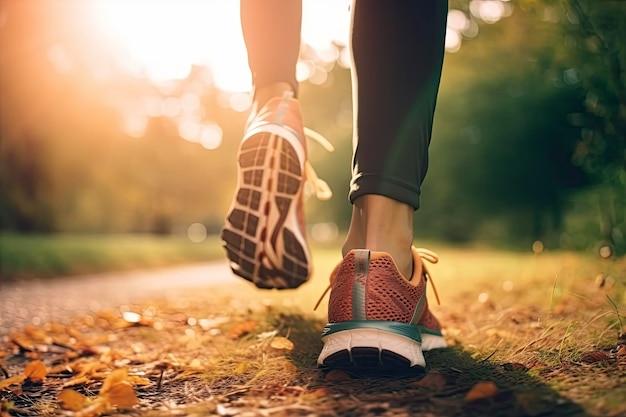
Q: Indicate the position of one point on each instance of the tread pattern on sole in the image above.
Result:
(369, 359)
(269, 186)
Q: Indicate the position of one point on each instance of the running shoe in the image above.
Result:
(264, 233)
(377, 318)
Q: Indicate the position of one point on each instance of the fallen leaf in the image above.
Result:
(115, 377)
(282, 343)
(621, 351)
(483, 389)
(122, 395)
(17, 379)
(35, 333)
(135, 380)
(317, 393)
(432, 380)
(35, 371)
(595, 356)
(242, 329)
(117, 391)
(513, 366)
(337, 375)
(22, 342)
(72, 400)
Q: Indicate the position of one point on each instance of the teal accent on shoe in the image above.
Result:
(423, 329)
(407, 330)
(361, 269)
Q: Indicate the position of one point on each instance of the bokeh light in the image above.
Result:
(211, 136)
(197, 232)
(325, 232)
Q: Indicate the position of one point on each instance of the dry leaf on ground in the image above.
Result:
(595, 356)
(483, 389)
(242, 329)
(72, 400)
(282, 343)
(118, 391)
(514, 366)
(433, 380)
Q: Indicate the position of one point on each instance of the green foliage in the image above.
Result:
(513, 151)
(506, 156)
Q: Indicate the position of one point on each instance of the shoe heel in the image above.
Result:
(371, 344)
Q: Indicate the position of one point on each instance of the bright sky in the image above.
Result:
(164, 38)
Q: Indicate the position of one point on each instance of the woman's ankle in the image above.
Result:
(382, 224)
(264, 94)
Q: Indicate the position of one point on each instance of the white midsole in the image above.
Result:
(372, 338)
(431, 341)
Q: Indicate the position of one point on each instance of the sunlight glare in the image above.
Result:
(325, 22)
(162, 40)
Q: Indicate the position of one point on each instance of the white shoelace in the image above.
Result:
(320, 187)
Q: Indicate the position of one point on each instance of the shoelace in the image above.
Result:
(320, 187)
(423, 253)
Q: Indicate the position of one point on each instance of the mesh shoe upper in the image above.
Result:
(374, 289)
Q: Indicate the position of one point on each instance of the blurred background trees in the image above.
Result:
(528, 142)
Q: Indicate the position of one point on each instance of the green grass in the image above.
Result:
(45, 256)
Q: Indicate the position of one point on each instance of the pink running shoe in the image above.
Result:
(378, 319)
(264, 232)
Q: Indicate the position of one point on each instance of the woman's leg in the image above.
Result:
(397, 48)
(271, 30)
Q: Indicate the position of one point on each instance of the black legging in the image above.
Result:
(397, 48)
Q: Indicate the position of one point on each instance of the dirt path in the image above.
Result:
(37, 301)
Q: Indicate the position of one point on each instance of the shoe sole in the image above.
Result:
(373, 349)
(262, 235)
